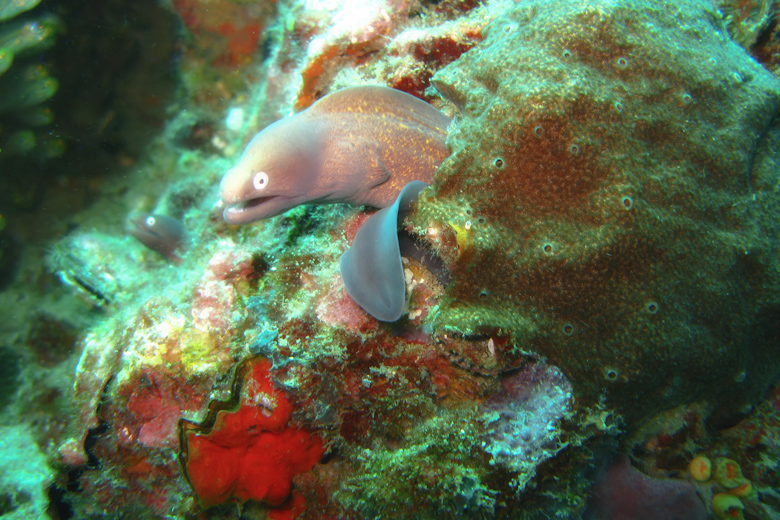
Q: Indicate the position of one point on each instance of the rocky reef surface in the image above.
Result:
(594, 298)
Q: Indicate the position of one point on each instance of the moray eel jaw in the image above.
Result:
(258, 208)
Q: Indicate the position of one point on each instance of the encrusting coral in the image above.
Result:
(596, 261)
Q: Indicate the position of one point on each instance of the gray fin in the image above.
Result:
(371, 268)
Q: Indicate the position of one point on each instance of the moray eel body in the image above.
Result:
(371, 269)
(360, 145)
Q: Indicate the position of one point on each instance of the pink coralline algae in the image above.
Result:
(153, 403)
(214, 297)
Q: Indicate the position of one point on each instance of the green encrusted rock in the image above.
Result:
(612, 198)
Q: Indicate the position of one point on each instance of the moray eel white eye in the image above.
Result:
(150, 222)
(260, 181)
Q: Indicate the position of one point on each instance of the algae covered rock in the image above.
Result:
(611, 188)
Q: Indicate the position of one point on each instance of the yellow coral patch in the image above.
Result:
(461, 234)
(700, 468)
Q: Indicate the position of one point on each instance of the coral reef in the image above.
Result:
(576, 304)
(592, 270)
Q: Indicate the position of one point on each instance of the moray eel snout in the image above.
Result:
(245, 204)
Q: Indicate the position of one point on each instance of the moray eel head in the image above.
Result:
(275, 172)
(160, 233)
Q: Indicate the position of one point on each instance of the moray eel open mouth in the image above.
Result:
(251, 203)
(254, 209)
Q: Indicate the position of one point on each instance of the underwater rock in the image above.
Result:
(224, 33)
(10, 366)
(522, 419)
(99, 267)
(611, 185)
(26, 474)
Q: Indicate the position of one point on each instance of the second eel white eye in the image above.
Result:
(260, 181)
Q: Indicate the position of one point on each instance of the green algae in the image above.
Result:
(437, 473)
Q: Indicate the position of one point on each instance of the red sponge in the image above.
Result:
(252, 453)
